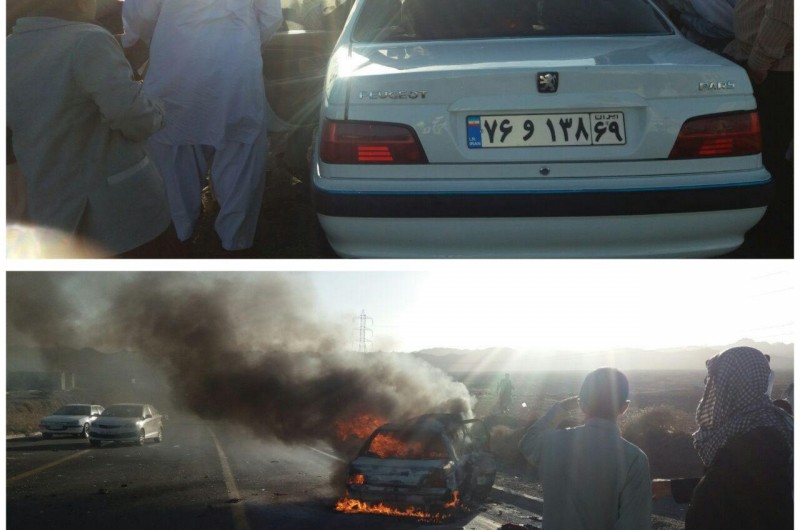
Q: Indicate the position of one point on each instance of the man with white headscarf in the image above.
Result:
(205, 64)
(746, 445)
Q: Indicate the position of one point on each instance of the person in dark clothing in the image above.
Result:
(746, 444)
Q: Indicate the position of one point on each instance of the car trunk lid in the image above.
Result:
(617, 98)
(402, 473)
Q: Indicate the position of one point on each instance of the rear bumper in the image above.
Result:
(127, 436)
(539, 204)
(401, 498)
(682, 235)
(67, 430)
(412, 219)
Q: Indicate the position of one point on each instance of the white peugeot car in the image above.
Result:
(533, 128)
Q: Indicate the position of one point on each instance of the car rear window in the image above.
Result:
(73, 410)
(418, 445)
(398, 20)
(124, 411)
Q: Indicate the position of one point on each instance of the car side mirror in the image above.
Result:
(148, 416)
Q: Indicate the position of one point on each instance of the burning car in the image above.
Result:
(426, 467)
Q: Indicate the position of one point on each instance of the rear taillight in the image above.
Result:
(359, 142)
(734, 134)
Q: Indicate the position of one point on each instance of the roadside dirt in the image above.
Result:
(667, 515)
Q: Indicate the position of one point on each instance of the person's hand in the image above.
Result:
(570, 404)
(661, 487)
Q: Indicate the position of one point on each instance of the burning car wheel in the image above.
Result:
(140, 440)
(160, 436)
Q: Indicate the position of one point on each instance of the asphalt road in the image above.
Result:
(202, 475)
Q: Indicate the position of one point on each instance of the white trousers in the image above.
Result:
(238, 173)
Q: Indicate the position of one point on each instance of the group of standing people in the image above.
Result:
(759, 36)
(116, 161)
(593, 479)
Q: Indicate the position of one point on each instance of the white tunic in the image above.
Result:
(79, 122)
(205, 64)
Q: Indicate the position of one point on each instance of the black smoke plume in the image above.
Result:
(242, 347)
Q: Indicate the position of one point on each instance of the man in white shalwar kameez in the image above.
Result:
(205, 64)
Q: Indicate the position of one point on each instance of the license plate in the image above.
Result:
(546, 130)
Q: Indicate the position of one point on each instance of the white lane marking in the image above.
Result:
(326, 454)
(518, 493)
(239, 517)
(46, 466)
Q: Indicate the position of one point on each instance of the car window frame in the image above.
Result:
(365, 7)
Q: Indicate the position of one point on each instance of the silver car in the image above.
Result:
(129, 423)
(73, 420)
(533, 128)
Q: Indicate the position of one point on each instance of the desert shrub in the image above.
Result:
(505, 448)
(664, 434)
(25, 409)
(505, 442)
(23, 416)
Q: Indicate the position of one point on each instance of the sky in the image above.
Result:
(567, 304)
(534, 305)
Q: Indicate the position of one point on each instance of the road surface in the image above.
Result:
(202, 475)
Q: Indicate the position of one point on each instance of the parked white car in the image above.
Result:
(73, 420)
(127, 422)
(533, 128)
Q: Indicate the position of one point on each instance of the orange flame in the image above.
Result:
(359, 426)
(348, 505)
(454, 502)
(385, 445)
(356, 479)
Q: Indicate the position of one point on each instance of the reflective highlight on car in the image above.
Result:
(392, 94)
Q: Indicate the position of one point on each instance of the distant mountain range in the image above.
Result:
(89, 364)
(509, 360)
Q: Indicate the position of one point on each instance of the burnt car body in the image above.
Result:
(433, 462)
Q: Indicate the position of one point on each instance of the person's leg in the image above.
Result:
(183, 168)
(238, 175)
(165, 246)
